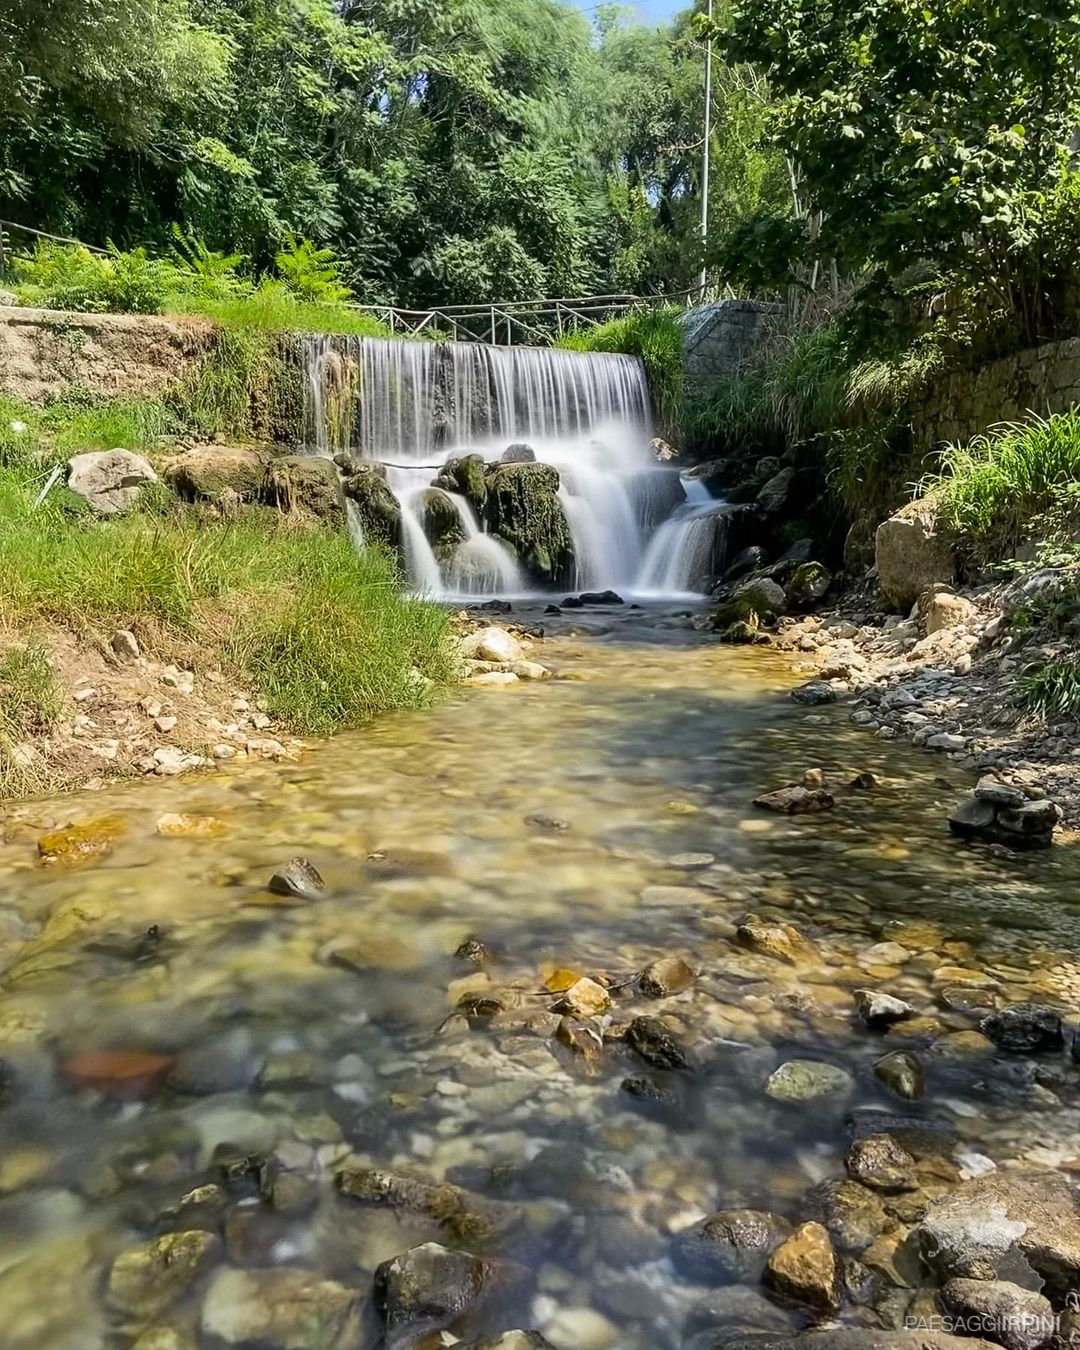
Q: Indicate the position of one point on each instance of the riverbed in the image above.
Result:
(590, 824)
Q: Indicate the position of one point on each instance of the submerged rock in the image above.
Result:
(1025, 1028)
(808, 1080)
(510, 1340)
(145, 1280)
(879, 1010)
(879, 1162)
(782, 941)
(666, 977)
(796, 800)
(284, 1308)
(86, 842)
(650, 1039)
(430, 1286)
(124, 1075)
(902, 1074)
(854, 1216)
(731, 1245)
(299, 878)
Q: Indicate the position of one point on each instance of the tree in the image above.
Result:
(928, 135)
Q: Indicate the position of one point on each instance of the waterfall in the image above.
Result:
(413, 406)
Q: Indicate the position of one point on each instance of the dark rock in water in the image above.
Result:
(524, 510)
(551, 609)
(495, 607)
(730, 1246)
(963, 998)
(601, 598)
(650, 1039)
(902, 1074)
(796, 800)
(879, 1010)
(731, 1311)
(377, 508)
(284, 1308)
(1000, 794)
(473, 951)
(441, 522)
(986, 817)
(1030, 821)
(573, 602)
(553, 824)
(509, 1340)
(244, 1173)
(298, 878)
(922, 1136)
(654, 1096)
(972, 818)
(749, 560)
(879, 1162)
(467, 477)
(518, 454)
(465, 1217)
(863, 782)
(814, 693)
(430, 1286)
(7, 1082)
(1022, 1319)
(1025, 1028)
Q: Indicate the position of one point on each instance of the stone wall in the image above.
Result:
(964, 404)
(43, 353)
(719, 337)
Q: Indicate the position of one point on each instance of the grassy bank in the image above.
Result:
(321, 632)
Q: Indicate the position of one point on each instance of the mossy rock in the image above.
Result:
(466, 476)
(210, 472)
(808, 584)
(756, 603)
(80, 844)
(306, 483)
(376, 506)
(442, 523)
(525, 512)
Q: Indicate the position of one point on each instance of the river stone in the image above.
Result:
(807, 585)
(912, 555)
(666, 977)
(584, 998)
(1021, 1319)
(879, 1162)
(81, 843)
(164, 1338)
(879, 1010)
(999, 793)
(815, 693)
(109, 481)
(796, 800)
(967, 1235)
(973, 819)
(430, 1286)
(805, 1269)
(1034, 822)
(854, 1216)
(731, 1245)
(208, 472)
(492, 644)
(650, 1039)
(781, 941)
(524, 511)
(808, 1080)
(774, 493)
(1025, 1028)
(902, 1074)
(299, 878)
(284, 1308)
(943, 609)
(147, 1279)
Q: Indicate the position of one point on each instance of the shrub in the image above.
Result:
(65, 277)
(1051, 691)
(993, 490)
(311, 273)
(655, 336)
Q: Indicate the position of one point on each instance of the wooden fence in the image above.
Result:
(502, 323)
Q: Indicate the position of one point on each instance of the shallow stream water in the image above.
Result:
(594, 822)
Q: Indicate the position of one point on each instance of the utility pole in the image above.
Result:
(706, 163)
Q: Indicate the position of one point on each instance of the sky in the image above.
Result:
(650, 11)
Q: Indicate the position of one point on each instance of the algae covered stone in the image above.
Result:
(82, 843)
(809, 1080)
(524, 510)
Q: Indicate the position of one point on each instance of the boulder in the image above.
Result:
(145, 1280)
(809, 1080)
(109, 481)
(805, 1269)
(996, 792)
(814, 693)
(430, 1286)
(944, 610)
(441, 523)
(465, 476)
(208, 472)
(518, 454)
(912, 554)
(774, 494)
(731, 1245)
(879, 1162)
(1020, 1319)
(968, 1234)
(376, 507)
(492, 644)
(283, 1308)
(524, 510)
(1025, 1028)
(760, 596)
(306, 483)
(808, 584)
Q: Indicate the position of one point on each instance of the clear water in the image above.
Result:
(425, 829)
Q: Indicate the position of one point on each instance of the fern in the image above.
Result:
(311, 273)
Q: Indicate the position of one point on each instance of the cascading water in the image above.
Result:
(415, 408)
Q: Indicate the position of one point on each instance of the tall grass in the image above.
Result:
(1051, 692)
(30, 702)
(321, 630)
(994, 489)
(271, 307)
(655, 336)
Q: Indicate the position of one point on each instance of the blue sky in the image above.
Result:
(650, 11)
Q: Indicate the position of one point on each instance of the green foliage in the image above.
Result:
(311, 273)
(926, 140)
(992, 491)
(322, 630)
(30, 702)
(1051, 691)
(58, 276)
(655, 336)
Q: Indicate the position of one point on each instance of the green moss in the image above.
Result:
(524, 510)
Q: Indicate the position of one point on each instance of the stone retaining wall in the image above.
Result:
(718, 338)
(44, 353)
(964, 404)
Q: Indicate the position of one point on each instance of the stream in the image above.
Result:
(592, 823)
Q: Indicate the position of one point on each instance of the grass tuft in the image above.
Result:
(1051, 691)
(30, 702)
